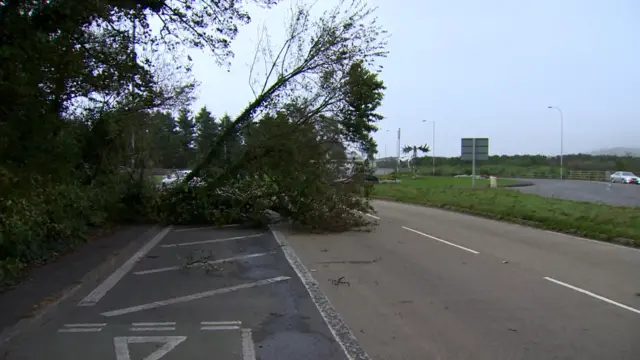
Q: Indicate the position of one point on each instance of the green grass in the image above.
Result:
(603, 222)
(442, 181)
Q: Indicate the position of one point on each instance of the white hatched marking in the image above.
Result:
(219, 261)
(213, 241)
(206, 227)
(248, 349)
(154, 328)
(220, 323)
(182, 299)
(220, 328)
(170, 323)
(76, 330)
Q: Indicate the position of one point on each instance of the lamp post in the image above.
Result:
(561, 139)
(385, 144)
(433, 145)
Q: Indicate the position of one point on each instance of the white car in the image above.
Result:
(174, 177)
(624, 177)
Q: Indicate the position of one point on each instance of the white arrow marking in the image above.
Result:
(122, 345)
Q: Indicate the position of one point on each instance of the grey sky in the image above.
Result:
(485, 69)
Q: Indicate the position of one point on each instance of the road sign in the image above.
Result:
(477, 146)
(474, 149)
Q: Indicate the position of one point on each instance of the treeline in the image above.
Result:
(521, 165)
(93, 97)
(180, 141)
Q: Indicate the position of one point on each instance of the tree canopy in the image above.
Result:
(97, 99)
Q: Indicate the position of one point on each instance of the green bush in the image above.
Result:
(38, 223)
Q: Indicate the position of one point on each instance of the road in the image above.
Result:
(423, 284)
(188, 294)
(591, 191)
(432, 284)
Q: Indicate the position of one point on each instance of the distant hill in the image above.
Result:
(618, 151)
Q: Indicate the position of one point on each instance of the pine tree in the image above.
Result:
(186, 134)
(206, 131)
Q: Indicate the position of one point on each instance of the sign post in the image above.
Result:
(474, 149)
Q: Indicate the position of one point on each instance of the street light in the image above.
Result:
(433, 146)
(385, 144)
(561, 139)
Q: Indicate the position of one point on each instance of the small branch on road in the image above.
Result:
(203, 261)
(340, 281)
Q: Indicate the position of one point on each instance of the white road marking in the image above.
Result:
(76, 330)
(220, 328)
(191, 297)
(122, 345)
(220, 323)
(206, 227)
(440, 240)
(169, 323)
(172, 268)
(337, 326)
(248, 350)
(366, 214)
(593, 295)
(82, 327)
(593, 241)
(153, 328)
(213, 241)
(99, 292)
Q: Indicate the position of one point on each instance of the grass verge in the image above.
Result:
(608, 223)
(444, 181)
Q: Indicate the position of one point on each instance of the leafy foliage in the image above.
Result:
(93, 98)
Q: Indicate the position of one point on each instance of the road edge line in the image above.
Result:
(339, 329)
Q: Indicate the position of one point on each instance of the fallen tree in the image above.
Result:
(317, 99)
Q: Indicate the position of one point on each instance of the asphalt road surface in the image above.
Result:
(188, 294)
(591, 191)
(432, 284)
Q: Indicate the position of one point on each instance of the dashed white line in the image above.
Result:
(221, 323)
(191, 297)
(212, 241)
(599, 297)
(219, 261)
(366, 214)
(99, 292)
(440, 240)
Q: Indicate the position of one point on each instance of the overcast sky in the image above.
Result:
(485, 69)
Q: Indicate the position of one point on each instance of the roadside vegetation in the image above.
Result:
(419, 181)
(522, 166)
(93, 98)
(603, 222)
